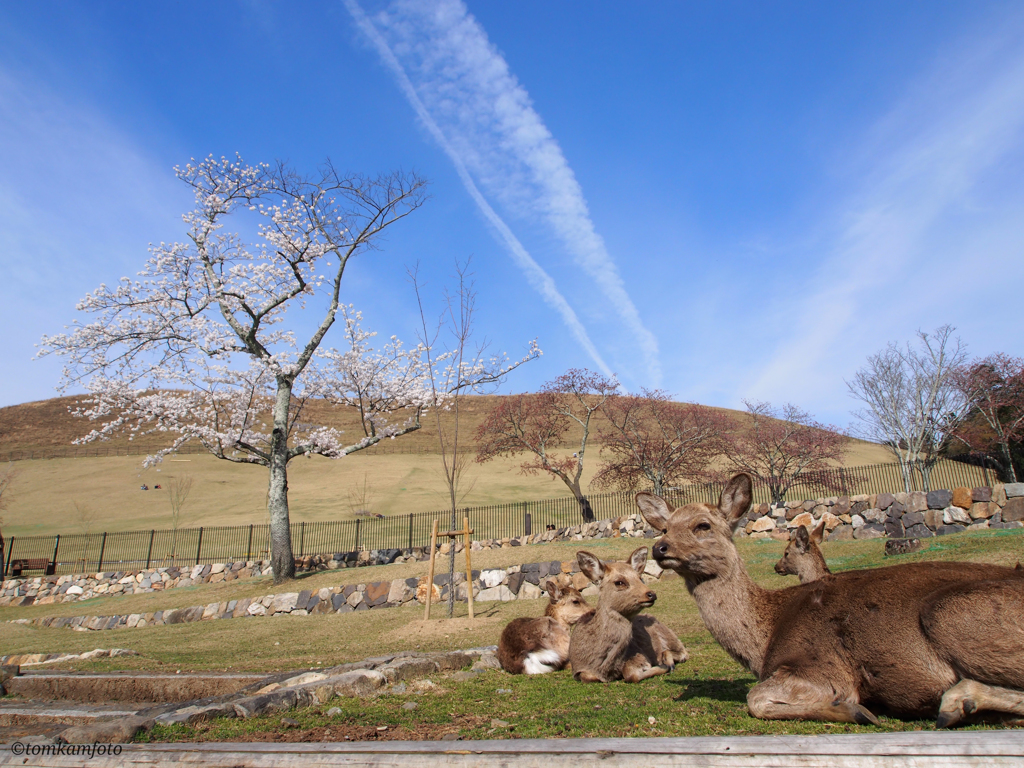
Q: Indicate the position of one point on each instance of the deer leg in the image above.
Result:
(969, 696)
(784, 696)
(638, 668)
(586, 676)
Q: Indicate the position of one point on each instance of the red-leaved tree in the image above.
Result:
(785, 448)
(654, 440)
(540, 424)
(993, 389)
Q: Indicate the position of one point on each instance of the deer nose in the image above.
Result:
(660, 549)
(652, 596)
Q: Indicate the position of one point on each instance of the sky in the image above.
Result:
(723, 200)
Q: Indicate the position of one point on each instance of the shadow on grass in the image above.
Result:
(722, 689)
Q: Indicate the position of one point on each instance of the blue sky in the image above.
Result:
(726, 200)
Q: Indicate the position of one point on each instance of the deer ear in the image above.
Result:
(591, 566)
(554, 592)
(638, 559)
(801, 539)
(818, 533)
(655, 510)
(736, 498)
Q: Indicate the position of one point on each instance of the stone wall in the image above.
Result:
(65, 589)
(896, 515)
(518, 582)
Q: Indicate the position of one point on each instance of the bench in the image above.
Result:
(32, 564)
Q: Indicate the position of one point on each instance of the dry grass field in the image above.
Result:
(50, 496)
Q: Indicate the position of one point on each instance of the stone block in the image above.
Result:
(400, 591)
(493, 577)
(119, 731)
(408, 669)
(869, 531)
(963, 497)
(918, 501)
(884, 500)
(954, 514)
(933, 518)
(901, 546)
(857, 521)
(500, 592)
(919, 531)
(942, 530)
(762, 524)
(283, 603)
(1013, 510)
(842, 506)
(805, 519)
(842, 533)
(894, 528)
(377, 593)
(912, 518)
(981, 494)
(515, 580)
(875, 515)
(1013, 490)
(939, 499)
(831, 521)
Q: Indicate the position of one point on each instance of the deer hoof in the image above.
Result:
(947, 719)
(861, 716)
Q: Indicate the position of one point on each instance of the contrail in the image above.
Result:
(497, 142)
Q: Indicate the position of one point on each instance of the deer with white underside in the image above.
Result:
(940, 639)
(536, 646)
(803, 556)
(614, 642)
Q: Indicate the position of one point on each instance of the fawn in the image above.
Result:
(614, 642)
(536, 646)
(942, 638)
(803, 556)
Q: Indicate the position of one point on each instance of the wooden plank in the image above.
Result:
(988, 749)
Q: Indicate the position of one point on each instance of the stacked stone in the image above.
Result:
(44, 590)
(870, 516)
(63, 589)
(518, 582)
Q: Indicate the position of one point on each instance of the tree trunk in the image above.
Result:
(1005, 445)
(281, 558)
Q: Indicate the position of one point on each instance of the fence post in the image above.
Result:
(10, 549)
(355, 548)
(149, 554)
(199, 546)
(103, 546)
(302, 538)
(56, 546)
(248, 548)
(410, 531)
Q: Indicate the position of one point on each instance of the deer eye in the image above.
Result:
(575, 602)
(620, 583)
(702, 527)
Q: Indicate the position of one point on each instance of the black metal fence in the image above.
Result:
(133, 550)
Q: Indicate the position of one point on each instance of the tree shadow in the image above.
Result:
(719, 689)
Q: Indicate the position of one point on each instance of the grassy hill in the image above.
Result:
(49, 496)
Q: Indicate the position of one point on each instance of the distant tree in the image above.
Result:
(468, 370)
(178, 491)
(654, 440)
(6, 478)
(993, 391)
(912, 402)
(785, 448)
(540, 425)
(196, 346)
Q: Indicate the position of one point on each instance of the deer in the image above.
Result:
(930, 639)
(803, 556)
(614, 642)
(539, 645)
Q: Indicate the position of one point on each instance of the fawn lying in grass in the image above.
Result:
(803, 556)
(938, 639)
(536, 646)
(614, 642)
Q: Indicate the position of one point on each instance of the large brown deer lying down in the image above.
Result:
(803, 556)
(536, 646)
(915, 639)
(614, 642)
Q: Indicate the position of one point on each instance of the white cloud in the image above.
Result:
(462, 90)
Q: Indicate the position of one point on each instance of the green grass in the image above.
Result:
(704, 696)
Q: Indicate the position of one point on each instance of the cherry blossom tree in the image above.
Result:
(540, 424)
(196, 346)
(993, 389)
(654, 440)
(785, 448)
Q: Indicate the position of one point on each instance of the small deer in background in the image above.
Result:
(536, 646)
(614, 642)
(803, 556)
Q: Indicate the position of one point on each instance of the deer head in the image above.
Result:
(566, 604)
(622, 588)
(698, 537)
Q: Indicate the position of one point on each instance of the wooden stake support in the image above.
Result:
(452, 535)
